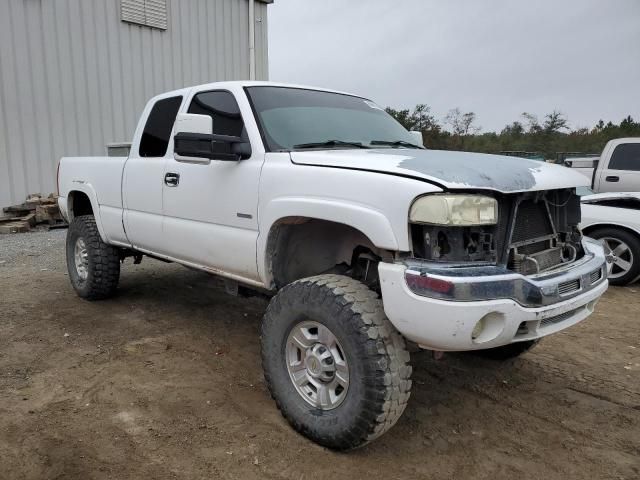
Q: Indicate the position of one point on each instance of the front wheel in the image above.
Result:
(336, 367)
(94, 266)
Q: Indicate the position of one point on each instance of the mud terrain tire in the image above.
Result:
(378, 363)
(94, 266)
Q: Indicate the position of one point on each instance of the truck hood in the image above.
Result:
(451, 170)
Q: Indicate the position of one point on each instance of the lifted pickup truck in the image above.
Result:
(361, 237)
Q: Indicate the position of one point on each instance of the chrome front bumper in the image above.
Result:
(477, 283)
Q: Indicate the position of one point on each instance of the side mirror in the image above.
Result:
(189, 144)
(418, 137)
(194, 142)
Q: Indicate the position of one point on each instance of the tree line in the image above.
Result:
(547, 138)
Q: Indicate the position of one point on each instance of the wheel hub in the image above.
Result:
(81, 258)
(622, 256)
(319, 362)
(317, 365)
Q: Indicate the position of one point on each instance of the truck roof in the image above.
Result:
(247, 83)
(618, 141)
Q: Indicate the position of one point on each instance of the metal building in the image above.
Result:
(75, 74)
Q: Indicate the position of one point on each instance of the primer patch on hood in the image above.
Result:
(487, 171)
(453, 170)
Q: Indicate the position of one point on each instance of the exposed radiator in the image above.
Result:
(535, 262)
(532, 221)
(534, 246)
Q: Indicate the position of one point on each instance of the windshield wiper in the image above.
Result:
(396, 143)
(330, 143)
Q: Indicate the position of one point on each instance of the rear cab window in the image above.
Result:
(157, 131)
(626, 156)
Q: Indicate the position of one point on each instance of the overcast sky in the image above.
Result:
(498, 58)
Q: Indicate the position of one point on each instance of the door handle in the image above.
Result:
(612, 178)
(172, 179)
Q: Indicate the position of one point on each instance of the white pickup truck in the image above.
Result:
(361, 237)
(616, 170)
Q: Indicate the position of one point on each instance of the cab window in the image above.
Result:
(223, 109)
(626, 157)
(157, 130)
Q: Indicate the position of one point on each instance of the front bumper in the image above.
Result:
(471, 308)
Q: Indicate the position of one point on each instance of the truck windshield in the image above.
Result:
(300, 119)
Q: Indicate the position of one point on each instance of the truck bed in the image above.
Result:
(100, 178)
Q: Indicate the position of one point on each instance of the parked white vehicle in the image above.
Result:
(614, 218)
(616, 170)
(362, 237)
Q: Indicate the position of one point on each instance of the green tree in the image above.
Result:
(527, 135)
(554, 122)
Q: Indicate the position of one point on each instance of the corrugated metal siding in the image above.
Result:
(74, 77)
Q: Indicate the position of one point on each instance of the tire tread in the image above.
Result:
(387, 393)
(105, 259)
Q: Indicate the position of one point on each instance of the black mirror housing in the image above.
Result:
(211, 146)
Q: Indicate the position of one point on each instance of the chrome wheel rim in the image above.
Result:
(317, 365)
(81, 258)
(623, 256)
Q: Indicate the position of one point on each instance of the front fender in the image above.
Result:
(372, 223)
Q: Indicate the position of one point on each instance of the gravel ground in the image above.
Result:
(164, 381)
(33, 244)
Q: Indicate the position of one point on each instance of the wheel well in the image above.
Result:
(299, 247)
(79, 204)
(600, 226)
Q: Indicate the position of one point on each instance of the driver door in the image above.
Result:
(210, 210)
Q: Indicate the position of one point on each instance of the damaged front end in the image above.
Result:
(532, 233)
(533, 253)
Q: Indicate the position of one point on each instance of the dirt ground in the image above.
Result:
(164, 381)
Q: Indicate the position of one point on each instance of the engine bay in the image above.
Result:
(535, 232)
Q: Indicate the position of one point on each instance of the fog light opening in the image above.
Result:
(477, 330)
(523, 329)
(488, 328)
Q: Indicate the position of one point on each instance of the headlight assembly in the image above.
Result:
(454, 210)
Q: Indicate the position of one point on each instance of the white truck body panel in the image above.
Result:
(583, 165)
(602, 215)
(99, 178)
(375, 204)
(452, 170)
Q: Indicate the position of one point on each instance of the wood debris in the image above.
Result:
(35, 210)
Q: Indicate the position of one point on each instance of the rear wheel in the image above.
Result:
(94, 266)
(336, 367)
(626, 248)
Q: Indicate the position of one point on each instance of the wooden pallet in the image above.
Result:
(35, 210)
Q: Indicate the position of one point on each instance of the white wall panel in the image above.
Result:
(74, 76)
